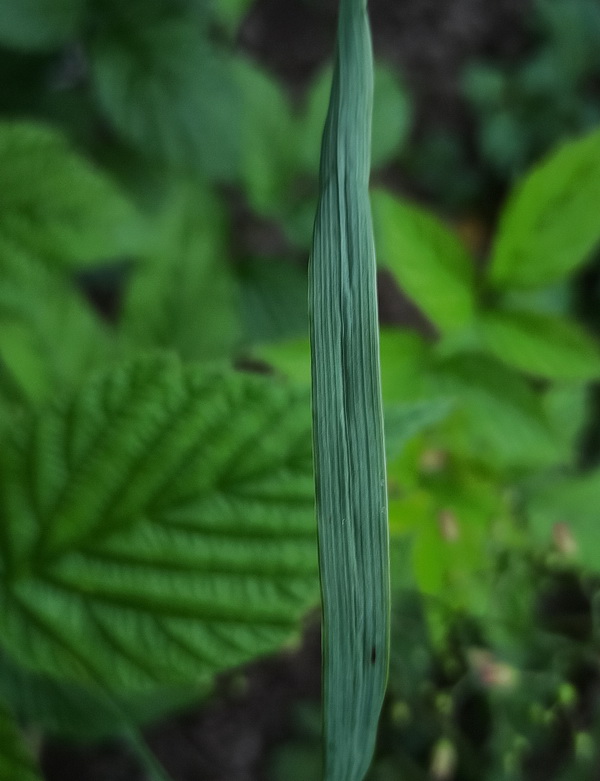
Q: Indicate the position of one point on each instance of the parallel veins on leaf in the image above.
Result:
(347, 416)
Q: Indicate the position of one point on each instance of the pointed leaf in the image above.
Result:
(15, 762)
(551, 224)
(55, 204)
(391, 116)
(48, 336)
(541, 345)
(428, 261)
(158, 526)
(168, 90)
(347, 417)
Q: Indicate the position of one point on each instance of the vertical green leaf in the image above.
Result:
(347, 417)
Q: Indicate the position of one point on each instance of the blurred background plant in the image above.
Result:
(158, 183)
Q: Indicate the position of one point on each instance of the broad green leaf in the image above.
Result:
(428, 261)
(57, 205)
(169, 91)
(541, 345)
(273, 301)
(404, 421)
(268, 138)
(157, 526)
(75, 711)
(391, 117)
(567, 407)
(565, 513)
(448, 519)
(48, 336)
(503, 417)
(15, 762)
(290, 358)
(550, 225)
(181, 295)
(347, 417)
(39, 24)
(405, 362)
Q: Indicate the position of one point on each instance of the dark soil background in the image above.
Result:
(230, 737)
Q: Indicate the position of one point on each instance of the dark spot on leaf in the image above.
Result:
(373, 655)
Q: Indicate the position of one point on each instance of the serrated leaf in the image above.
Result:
(39, 24)
(347, 417)
(181, 294)
(158, 526)
(550, 225)
(48, 336)
(56, 205)
(541, 345)
(427, 259)
(391, 117)
(15, 762)
(168, 91)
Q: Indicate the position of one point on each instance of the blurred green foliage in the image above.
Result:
(158, 189)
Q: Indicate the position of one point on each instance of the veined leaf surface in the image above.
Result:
(158, 527)
(347, 417)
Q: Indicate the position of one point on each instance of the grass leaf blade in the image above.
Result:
(347, 416)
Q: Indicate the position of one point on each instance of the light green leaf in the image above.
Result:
(48, 336)
(391, 117)
(56, 205)
(568, 408)
(541, 345)
(290, 358)
(405, 362)
(170, 92)
(39, 24)
(15, 762)
(347, 417)
(157, 527)
(182, 292)
(428, 261)
(565, 513)
(269, 139)
(503, 416)
(404, 421)
(551, 224)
